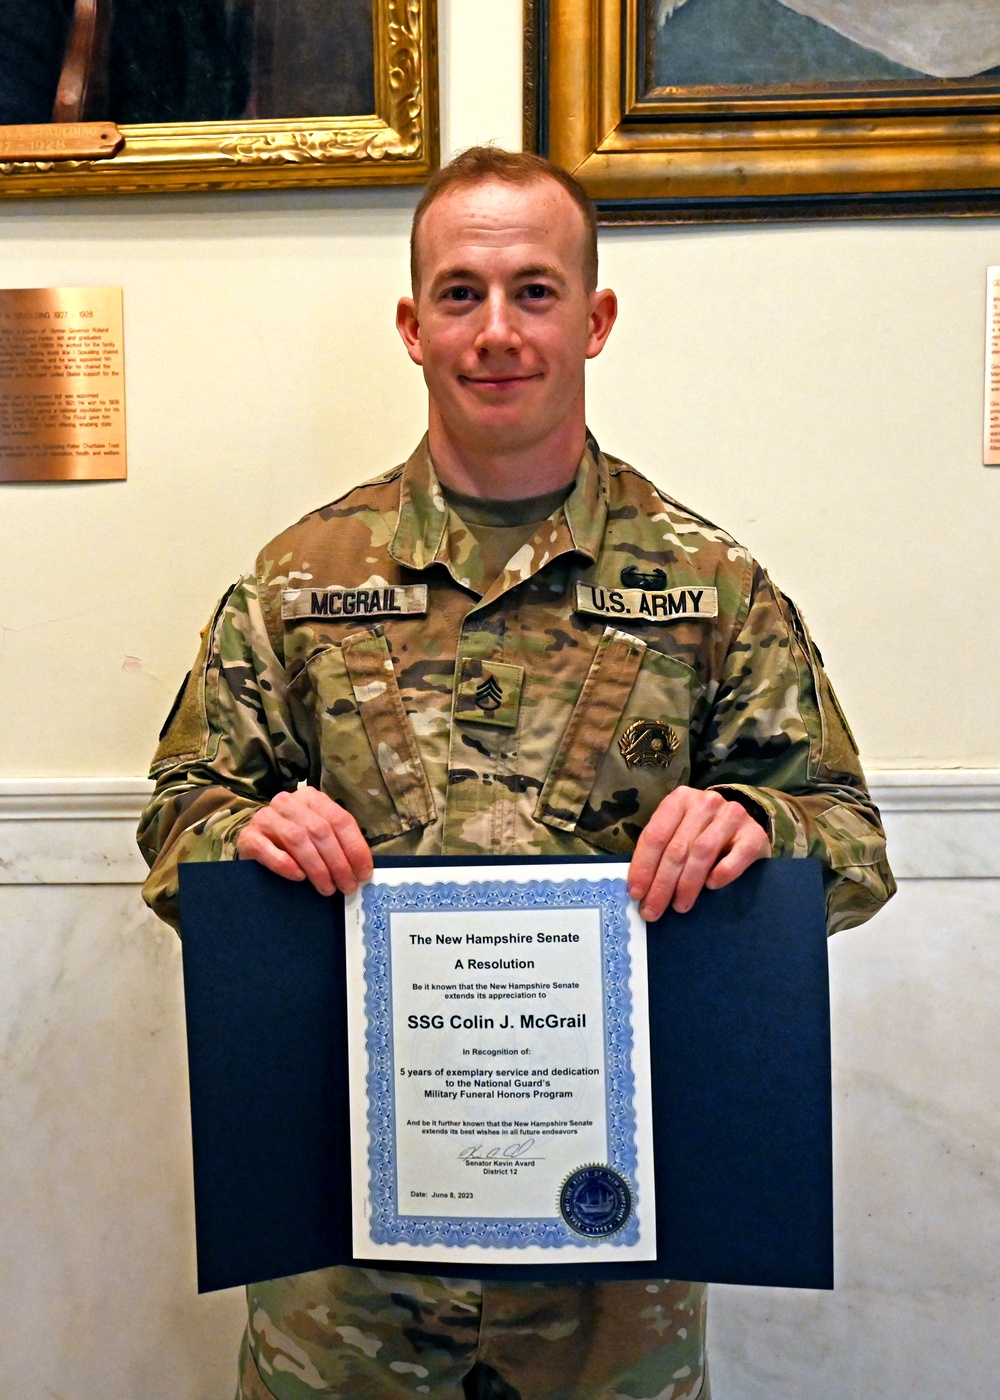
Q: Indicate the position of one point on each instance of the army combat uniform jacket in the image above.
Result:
(627, 648)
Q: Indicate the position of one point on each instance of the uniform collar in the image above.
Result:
(428, 532)
(423, 513)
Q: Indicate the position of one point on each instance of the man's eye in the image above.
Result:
(536, 291)
(458, 294)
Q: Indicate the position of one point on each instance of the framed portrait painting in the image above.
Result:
(692, 110)
(129, 95)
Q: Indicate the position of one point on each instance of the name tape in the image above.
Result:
(665, 605)
(395, 600)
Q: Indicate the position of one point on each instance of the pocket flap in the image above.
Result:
(380, 707)
(591, 729)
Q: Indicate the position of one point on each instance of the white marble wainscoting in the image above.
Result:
(96, 1217)
(916, 1050)
(96, 1231)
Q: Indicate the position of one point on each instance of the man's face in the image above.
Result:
(503, 323)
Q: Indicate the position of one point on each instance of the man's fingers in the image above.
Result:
(345, 865)
(304, 834)
(352, 843)
(749, 847)
(335, 824)
(695, 839)
(299, 838)
(691, 852)
(308, 836)
(253, 845)
(652, 841)
(704, 855)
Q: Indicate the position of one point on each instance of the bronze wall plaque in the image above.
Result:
(991, 425)
(62, 384)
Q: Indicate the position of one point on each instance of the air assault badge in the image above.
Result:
(648, 743)
(653, 582)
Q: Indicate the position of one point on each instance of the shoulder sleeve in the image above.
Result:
(228, 745)
(777, 741)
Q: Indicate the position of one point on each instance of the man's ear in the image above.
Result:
(409, 328)
(603, 314)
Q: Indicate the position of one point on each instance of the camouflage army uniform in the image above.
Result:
(628, 647)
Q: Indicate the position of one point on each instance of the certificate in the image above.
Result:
(499, 1065)
(739, 1045)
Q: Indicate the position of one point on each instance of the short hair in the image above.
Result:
(481, 163)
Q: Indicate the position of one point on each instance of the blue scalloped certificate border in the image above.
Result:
(379, 903)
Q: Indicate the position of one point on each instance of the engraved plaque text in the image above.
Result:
(62, 384)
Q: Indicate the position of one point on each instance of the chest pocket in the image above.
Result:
(627, 744)
(368, 753)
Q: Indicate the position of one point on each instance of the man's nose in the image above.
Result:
(498, 331)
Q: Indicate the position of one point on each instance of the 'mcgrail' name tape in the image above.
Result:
(390, 600)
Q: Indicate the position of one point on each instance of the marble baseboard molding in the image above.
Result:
(942, 824)
(71, 831)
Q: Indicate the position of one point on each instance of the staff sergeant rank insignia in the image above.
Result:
(488, 692)
(489, 696)
(663, 605)
(380, 600)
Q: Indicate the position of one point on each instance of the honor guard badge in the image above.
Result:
(378, 600)
(488, 692)
(645, 604)
(648, 743)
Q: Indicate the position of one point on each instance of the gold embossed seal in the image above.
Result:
(648, 743)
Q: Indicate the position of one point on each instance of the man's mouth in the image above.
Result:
(499, 382)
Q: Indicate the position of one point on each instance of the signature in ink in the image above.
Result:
(515, 1150)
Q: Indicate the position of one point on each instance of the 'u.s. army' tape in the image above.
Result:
(665, 605)
(390, 600)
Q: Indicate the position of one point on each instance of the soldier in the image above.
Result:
(438, 663)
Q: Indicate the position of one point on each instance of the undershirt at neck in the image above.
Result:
(500, 528)
(530, 510)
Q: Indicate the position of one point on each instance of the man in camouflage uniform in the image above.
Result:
(436, 664)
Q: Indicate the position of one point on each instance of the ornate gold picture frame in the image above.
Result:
(396, 144)
(651, 153)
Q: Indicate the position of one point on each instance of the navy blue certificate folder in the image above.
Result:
(740, 1049)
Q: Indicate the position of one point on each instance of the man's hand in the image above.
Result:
(306, 835)
(693, 841)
